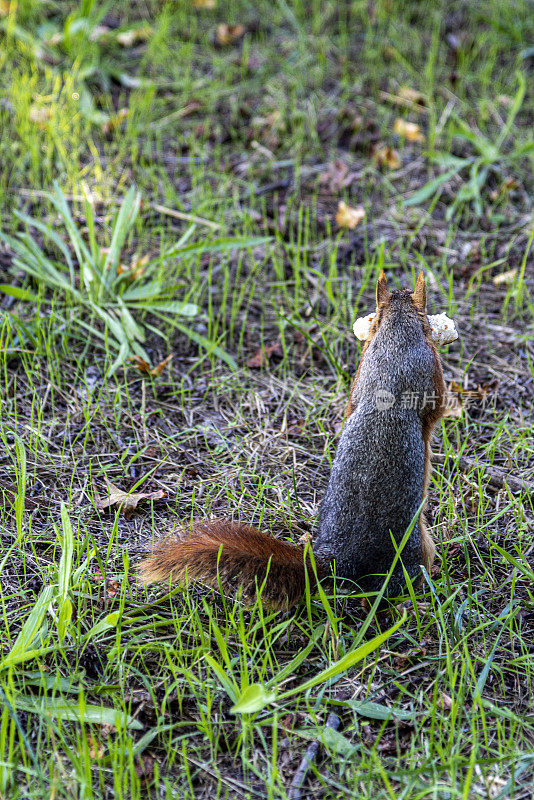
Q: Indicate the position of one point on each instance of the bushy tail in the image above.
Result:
(236, 555)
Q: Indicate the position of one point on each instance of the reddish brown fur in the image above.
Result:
(427, 545)
(238, 555)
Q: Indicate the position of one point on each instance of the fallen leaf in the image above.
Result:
(415, 654)
(387, 743)
(337, 176)
(40, 115)
(98, 32)
(297, 428)
(504, 100)
(228, 34)
(55, 38)
(334, 175)
(144, 768)
(141, 364)
(485, 389)
(138, 266)
(115, 121)
(126, 501)
(408, 130)
(144, 366)
(412, 95)
(134, 35)
(158, 369)
(96, 748)
(259, 359)
(112, 586)
(406, 98)
(4, 8)
(452, 407)
(204, 4)
(136, 269)
(505, 278)
(348, 217)
(459, 397)
(305, 539)
(386, 156)
(9, 492)
(452, 402)
(506, 186)
(445, 701)
(269, 127)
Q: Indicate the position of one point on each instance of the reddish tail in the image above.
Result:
(236, 555)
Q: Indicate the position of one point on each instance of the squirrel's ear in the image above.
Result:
(382, 292)
(419, 294)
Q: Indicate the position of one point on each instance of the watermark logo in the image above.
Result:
(384, 399)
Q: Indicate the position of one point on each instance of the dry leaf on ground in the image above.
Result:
(505, 278)
(98, 32)
(261, 355)
(228, 34)
(115, 121)
(208, 4)
(9, 493)
(144, 366)
(134, 35)
(347, 216)
(112, 586)
(127, 501)
(40, 115)
(454, 400)
(337, 176)
(96, 748)
(408, 130)
(136, 269)
(412, 95)
(386, 156)
(144, 768)
(305, 539)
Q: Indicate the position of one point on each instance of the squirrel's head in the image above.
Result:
(401, 307)
(416, 299)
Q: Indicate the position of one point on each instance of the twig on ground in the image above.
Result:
(171, 212)
(310, 755)
(497, 477)
(232, 783)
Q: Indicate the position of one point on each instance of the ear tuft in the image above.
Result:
(382, 291)
(419, 294)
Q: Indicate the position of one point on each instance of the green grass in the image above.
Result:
(233, 151)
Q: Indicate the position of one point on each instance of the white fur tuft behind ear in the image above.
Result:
(443, 329)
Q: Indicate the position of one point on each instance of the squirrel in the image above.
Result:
(377, 485)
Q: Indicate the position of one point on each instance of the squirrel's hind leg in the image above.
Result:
(428, 548)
